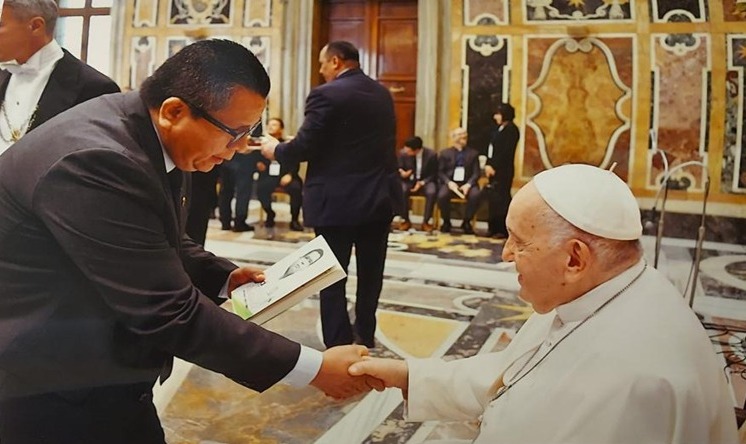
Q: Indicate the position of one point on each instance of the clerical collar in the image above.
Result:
(48, 55)
(582, 307)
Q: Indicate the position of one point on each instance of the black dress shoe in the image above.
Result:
(240, 228)
(466, 226)
(446, 228)
(225, 227)
(269, 223)
(296, 226)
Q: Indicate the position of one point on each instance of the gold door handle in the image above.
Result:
(396, 89)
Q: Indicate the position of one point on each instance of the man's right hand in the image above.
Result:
(335, 380)
(489, 171)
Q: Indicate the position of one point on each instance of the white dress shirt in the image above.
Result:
(27, 82)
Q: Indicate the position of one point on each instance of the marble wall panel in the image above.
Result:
(681, 68)
(142, 60)
(734, 151)
(734, 10)
(200, 12)
(486, 68)
(662, 11)
(486, 12)
(145, 14)
(257, 13)
(579, 102)
(260, 46)
(175, 44)
(543, 11)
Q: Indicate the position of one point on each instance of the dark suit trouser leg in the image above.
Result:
(431, 194)
(264, 188)
(444, 203)
(335, 321)
(472, 203)
(295, 191)
(244, 187)
(227, 190)
(499, 201)
(406, 192)
(111, 415)
(370, 254)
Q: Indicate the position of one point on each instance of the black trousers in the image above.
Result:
(267, 184)
(370, 241)
(498, 201)
(444, 202)
(430, 191)
(203, 202)
(237, 179)
(122, 414)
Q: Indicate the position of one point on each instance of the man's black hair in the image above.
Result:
(413, 142)
(345, 51)
(205, 74)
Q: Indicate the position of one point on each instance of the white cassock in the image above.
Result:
(641, 370)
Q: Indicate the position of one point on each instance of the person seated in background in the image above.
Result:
(418, 170)
(613, 353)
(458, 172)
(273, 174)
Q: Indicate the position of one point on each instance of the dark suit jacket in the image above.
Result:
(348, 139)
(503, 152)
(71, 82)
(447, 165)
(99, 286)
(429, 172)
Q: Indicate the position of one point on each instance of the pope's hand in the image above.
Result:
(242, 275)
(392, 372)
(333, 377)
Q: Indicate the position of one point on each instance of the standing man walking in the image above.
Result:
(348, 139)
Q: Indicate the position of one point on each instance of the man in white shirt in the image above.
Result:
(612, 355)
(38, 79)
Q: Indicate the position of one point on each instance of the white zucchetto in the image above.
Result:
(595, 200)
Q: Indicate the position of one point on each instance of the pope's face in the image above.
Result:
(540, 263)
(195, 144)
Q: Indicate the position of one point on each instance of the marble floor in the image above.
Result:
(443, 295)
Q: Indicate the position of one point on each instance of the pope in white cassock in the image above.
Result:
(613, 353)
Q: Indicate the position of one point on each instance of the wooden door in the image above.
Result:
(385, 32)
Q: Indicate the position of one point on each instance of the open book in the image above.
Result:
(300, 274)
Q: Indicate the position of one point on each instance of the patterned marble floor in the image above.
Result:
(452, 303)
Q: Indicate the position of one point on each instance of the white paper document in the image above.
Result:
(302, 273)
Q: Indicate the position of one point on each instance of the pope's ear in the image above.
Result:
(579, 256)
(172, 111)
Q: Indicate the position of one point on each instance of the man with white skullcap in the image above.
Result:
(612, 355)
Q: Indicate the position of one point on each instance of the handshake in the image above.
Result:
(347, 371)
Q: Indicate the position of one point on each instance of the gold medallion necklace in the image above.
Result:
(16, 133)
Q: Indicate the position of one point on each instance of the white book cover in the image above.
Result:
(307, 270)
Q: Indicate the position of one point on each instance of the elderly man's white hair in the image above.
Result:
(46, 9)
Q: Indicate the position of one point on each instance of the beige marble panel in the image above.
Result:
(417, 336)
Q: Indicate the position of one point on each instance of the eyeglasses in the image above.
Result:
(236, 135)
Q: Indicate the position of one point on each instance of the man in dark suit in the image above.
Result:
(273, 174)
(458, 173)
(348, 139)
(418, 173)
(38, 79)
(100, 287)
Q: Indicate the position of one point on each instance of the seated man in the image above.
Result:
(418, 170)
(273, 174)
(458, 172)
(613, 353)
